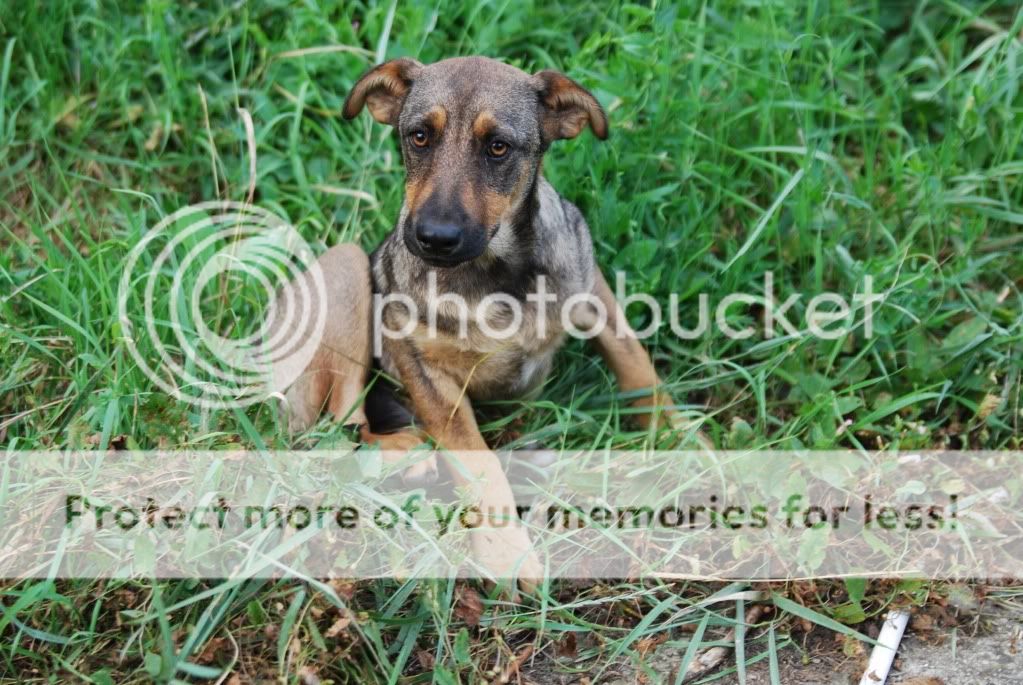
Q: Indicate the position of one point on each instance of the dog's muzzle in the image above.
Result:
(439, 239)
(444, 243)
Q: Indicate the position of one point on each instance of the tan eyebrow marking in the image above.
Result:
(484, 124)
(437, 118)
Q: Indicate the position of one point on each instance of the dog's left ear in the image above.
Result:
(566, 107)
(383, 89)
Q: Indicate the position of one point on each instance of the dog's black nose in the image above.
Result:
(438, 238)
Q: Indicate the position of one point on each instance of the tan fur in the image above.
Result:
(495, 206)
(483, 124)
(485, 206)
(627, 358)
(438, 118)
(394, 445)
(336, 376)
(571, 107)
(382, 90)
(417, 192)
(466, 100)
(447, 416)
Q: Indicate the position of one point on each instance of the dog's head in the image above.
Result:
(473, 132)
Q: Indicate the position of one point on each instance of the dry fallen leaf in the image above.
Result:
(468, 606)
(988, 405)
(308, 676)
(512, 669)
(344, 588)
(852, 647)
(649, 644)
(67, 118)
(209, 653)
(922, 623)
(339, 626)
(426, 659)
(566, 646)
(154, 138)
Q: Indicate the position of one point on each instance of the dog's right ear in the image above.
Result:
(383, 89)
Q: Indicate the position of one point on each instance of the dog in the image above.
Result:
(478, 221)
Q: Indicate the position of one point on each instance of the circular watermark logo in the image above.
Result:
(221, 304)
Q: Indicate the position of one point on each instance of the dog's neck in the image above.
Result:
(523, 225)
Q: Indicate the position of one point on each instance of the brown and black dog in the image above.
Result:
(479, 225)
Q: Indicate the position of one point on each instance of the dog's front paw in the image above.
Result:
(686, 433)
(684, 428)
(423, 472)
(396, 448)
(508, 556)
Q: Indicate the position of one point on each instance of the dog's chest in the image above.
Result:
(503, 350)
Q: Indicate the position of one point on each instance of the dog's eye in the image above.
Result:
(420, 138)
(497, 148)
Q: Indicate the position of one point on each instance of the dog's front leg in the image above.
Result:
(629, 361)
(499, 538)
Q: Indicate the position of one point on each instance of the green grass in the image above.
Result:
(903, 122)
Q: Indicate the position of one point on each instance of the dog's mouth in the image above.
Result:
(443, 262)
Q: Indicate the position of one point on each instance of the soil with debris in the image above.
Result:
(985, 649)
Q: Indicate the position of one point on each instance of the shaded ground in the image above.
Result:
(983, 652)
(986, 649)
(993, 655)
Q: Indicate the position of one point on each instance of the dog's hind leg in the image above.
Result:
(335, 377)
(338, 289)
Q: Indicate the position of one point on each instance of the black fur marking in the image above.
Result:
(384, 410)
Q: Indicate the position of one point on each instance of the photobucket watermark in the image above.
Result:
(543, 311)
(768, 515)
(192, 284)
(222, 304)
